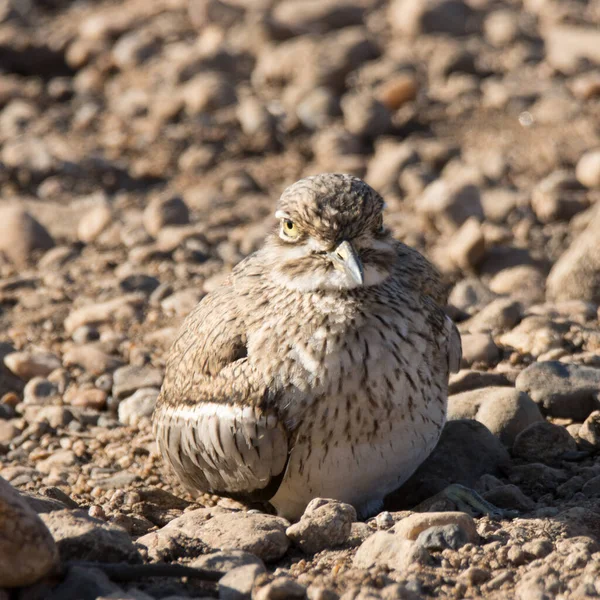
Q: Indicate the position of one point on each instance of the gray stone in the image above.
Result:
(499, 315)
(39, 391)
(562, 390)
(83, 583)
(504, 411)
(414, 17)
(27, 550)
(237, 584)
(479, 349)
(165, 211)
(543, 442)
(365, 116)
(94, 222)
(81, 537)
(389, 550)
(139, 405)
(589, 432)
(467, 379)
(510, 497)
(92, 358)
(129, 379)
(440, 537)
(324, 524)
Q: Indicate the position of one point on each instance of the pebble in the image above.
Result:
(430, 16)
(207, 92)
(238, 583)
(480, 349)
(468, 379)
(129, 379)
(575, 274)
(281, 588)
(466, 247)
(561, 390)
(137, 406)
(119, 308)
(450, 204)
(391, 551)
(27, 365)
(21, 235)
(91, 358)
(412, 527)
(27, 551)
(524, 283)
(535, 335)
(87, 398)
(503, 410)
(39, 391)
(324, 524)
(81, 537)
(165, 211)
(589, 432)
(588, 169)
(499, 315)
(510, 497)
(365, 116)
(398, 90)
(543, 442)
(94, 222)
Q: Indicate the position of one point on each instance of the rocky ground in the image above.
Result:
(142, 146)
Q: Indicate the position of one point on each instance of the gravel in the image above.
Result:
(142, 146)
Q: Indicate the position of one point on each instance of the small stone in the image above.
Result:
(365, 116)
(133, 49)
(499, 315)
(466, 380)
(398, 90)
(81, 583)
(27, 365)
(87, 398)
(479, 348)
(592, 487)
(466, 248)
(562, 390)
(474, 576)
(557, 197)
(139, 282)
(503, 410)
(384, 520)
(414, 17)
(21, 235)
(281, 588)
(389, 550)
(161, 212)
(60, 459)
(91, 358)
(207, 92)
(238, 583)
(27, 551)
(575, 274)
(589, 432)
(139, 405)
(501, 28)
(318, 108)
(94, 222)
(586, 86)
(324, 524)
(129, 379)
(440, 537)
(543, 442)
(510, 497)
(411, 528)
(450, 204)
(103, 312)
(39, 391)
(588, 169)
(389, 160)
(535, 335)
(524, 283)
(81, 537)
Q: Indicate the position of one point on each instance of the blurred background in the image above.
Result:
(143, 144)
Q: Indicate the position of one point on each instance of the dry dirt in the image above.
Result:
(142, 147)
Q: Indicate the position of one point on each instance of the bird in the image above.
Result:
(319, 368)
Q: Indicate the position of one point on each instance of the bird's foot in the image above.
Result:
(466, 500)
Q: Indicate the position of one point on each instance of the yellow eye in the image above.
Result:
(289, 228)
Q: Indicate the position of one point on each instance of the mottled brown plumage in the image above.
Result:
(319, 368)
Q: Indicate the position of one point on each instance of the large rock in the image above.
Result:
(81, 537)
(562, 390)
(576, 274)
(504, 411)
(466, 451)
(215, 529)
(27, 550)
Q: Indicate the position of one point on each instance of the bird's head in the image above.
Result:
(331, 235)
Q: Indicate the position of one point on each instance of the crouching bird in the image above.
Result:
(319, 368)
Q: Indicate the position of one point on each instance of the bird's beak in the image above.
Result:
(346, 256)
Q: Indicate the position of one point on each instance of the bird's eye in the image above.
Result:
(289, 228)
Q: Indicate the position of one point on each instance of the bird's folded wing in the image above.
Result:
(210, 421)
